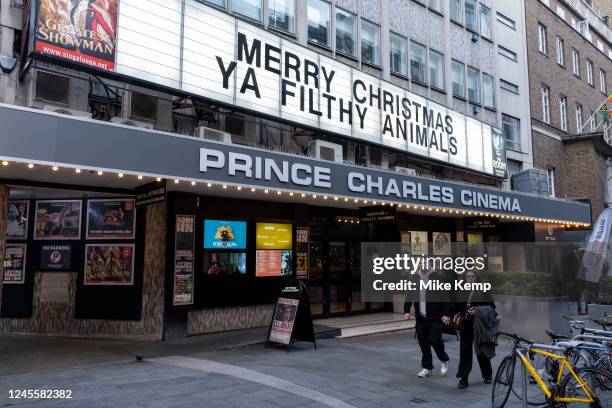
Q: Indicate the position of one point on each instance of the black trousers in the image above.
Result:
(429, 335)
(466, 352)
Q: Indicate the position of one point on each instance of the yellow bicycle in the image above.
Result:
(562, 385)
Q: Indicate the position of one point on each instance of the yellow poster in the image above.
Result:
(274, 236)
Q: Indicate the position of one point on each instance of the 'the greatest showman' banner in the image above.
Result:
(209, 53)
(80, 31)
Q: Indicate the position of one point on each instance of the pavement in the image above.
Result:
(234, 370)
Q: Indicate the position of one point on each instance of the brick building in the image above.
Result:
(569, 74)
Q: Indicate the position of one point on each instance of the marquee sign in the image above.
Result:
(209, 53)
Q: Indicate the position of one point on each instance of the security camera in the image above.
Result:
(7, 64)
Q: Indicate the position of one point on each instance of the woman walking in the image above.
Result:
(464, 314)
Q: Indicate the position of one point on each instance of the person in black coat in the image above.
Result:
(465, 308)
(429, 324)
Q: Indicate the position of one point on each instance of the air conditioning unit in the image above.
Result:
(405, 170)
(324, 150)
(66, 111)
(212, 134)
(134, 123)
(48, 89)
(147, 107)
(377, 158)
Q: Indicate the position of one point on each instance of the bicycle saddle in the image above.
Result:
(555, 336)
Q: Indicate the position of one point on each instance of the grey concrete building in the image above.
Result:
(185, 158)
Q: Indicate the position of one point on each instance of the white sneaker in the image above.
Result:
(424, 373)
(444, 368)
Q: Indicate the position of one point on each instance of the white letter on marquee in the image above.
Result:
(205, 159)
(245, 166)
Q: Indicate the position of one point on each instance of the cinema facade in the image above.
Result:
(117, 227)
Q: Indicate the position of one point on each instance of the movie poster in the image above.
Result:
(184, 243)
(81, 31)
(57, 219)
(418, 243)
(14, 263)
(499, 153)
(17, 222)
(109, 264)
(284, 319)
(442, 244)
(111, 219)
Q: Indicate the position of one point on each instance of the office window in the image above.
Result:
(418, 62)
(512, 131)
(602, 81)
(542, 40)
(346, 32)
(282, 14)
(470, 15)
(590, 72)
(488, 90)
(507, 21)
(220, 3)
(600, 46)
(436, 69)
(458, 74)
(399, 54)
(560, 51)
(550, 176)
(507, 53)
(486, 29)
(319, 22)
(563, 113)
(575, 62)
(508, 86)
(436, 5)
(473, 85)
(578, 118)
(248, 8)
(370, 42)
(545, 101)
(456, 12)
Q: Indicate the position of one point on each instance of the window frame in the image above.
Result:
(578, 115)
(465, 8)
(261, 11)
(545, 95)
(511, 144)
(405, 63)
(508, 53)
(478, 91)
(492, 81)
(490, 19)
(455, 63)
(590, 73)
(214, 4)
(560, 49)
(603, 86)
(563, 112)
(440, 9)
(550, 178)
(542, 39)
(576, 62)
(510, 88)
(429, 65)
(274, 27)
(378, 60)
(328, 44)
(459, 11)
(355, 33)
(425, 64)
(507, 21)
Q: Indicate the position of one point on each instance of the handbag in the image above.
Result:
(456, 323)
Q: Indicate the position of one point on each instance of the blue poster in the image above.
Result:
(220, 234)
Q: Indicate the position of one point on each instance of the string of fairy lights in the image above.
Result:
(427, 209)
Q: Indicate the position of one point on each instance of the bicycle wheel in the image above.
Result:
(502, 385)
(598, 381)
(543, 367)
